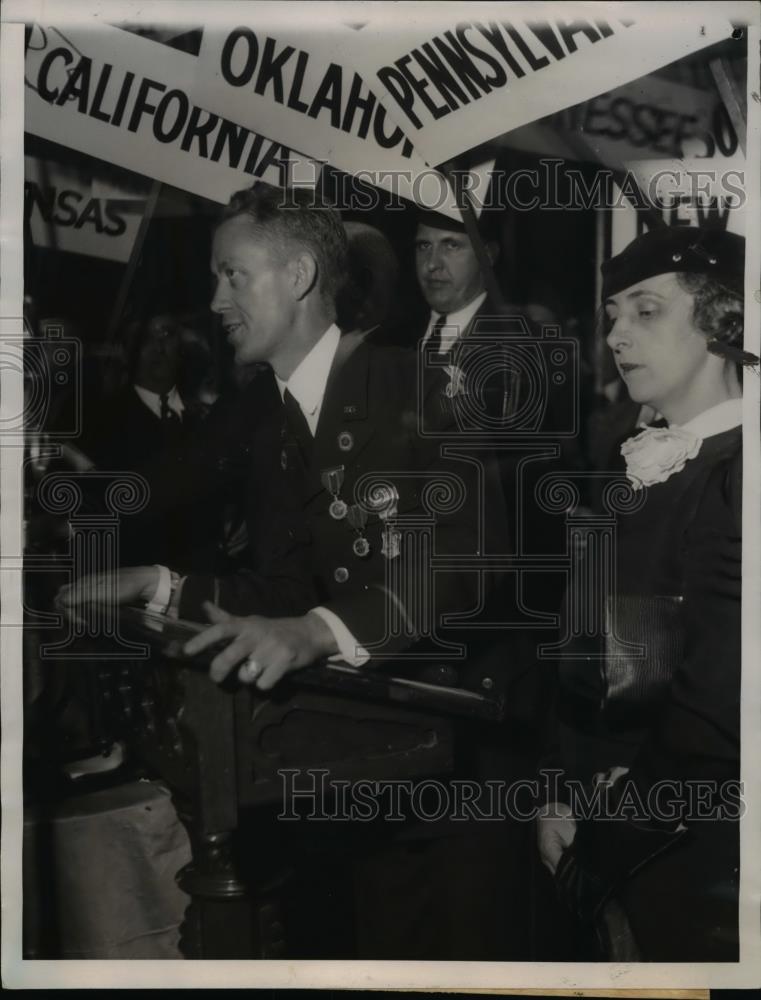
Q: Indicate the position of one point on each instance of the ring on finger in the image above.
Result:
(250, 669)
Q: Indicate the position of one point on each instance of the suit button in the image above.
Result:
(341, 574)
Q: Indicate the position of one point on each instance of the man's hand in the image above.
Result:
(556, 829)
(125, 586)
(263, 649)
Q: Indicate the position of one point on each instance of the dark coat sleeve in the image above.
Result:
(697, 733)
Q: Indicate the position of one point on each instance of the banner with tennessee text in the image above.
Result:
(645, 119)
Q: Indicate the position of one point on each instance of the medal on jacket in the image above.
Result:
(357, 518)
(332, 480)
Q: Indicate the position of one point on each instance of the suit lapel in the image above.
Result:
(343, 429)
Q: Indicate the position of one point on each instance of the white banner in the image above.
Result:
(67, 211)
(644, 120)
(710, 193)
(454, 84)
(300, 86)
(210, 124)
(131, 101)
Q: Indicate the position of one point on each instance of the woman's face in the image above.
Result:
(660, 355)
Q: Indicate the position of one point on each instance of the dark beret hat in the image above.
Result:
(680, 249)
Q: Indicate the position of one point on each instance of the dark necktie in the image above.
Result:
(171, 424)
(168, 415)
(298, 424)
(435, 339)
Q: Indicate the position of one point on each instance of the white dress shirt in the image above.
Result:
(309, 379)
(153, 400)
(456, 323)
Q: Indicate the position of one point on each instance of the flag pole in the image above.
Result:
(730, 98)
(133, 262)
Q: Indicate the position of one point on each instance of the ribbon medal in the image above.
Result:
(332, 480)
(357, 518)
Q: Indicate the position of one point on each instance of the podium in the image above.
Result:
(223, 751)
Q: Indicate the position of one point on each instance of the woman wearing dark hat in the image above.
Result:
(652, 867)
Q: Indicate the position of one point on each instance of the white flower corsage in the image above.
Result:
(657, 453)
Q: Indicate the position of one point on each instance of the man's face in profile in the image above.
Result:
(447, 268)
(253, 294)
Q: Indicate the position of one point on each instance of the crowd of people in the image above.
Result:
(265, 523)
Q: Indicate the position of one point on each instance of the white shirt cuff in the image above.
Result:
(349, 650)
(162, 595)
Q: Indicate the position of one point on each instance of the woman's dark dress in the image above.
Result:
(674, 715)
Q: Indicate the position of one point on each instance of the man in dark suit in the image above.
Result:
(450, 279)
(146, 416)
(146, 421)
(488, 342)
(343, 486)
(322, 547)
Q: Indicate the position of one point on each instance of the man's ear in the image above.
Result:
(304, 273)
(492, 249)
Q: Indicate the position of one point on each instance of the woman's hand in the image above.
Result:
(556, 829)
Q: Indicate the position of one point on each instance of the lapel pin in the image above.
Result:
(345, 440)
